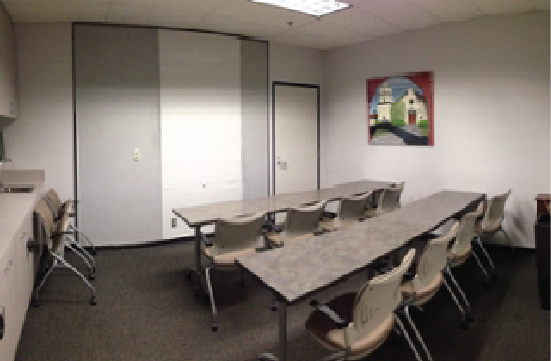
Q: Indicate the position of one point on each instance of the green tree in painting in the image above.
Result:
(397, 113)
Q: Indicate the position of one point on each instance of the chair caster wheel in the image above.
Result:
(91, 277)
(267, 357)
(196, 293)
(188, 276)
(464, 325)
(494, 277)
(488, 285)
(94, 253)
(242, 283)
(469, 317)
(214, 327)
(93, 301)
(273, 307)
(35, 303)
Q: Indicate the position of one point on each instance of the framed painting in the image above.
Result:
(400, 110)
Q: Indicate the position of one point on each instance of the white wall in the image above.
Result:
(42, 136)
(491, 112)
(200, 82)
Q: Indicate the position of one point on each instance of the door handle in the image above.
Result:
(2, 322)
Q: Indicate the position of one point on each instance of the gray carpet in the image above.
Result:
(146, 311)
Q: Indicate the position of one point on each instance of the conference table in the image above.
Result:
(199, 216)
(298, 270)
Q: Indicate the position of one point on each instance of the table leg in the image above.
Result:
(282, 331)
(282, 337)
(197, 270)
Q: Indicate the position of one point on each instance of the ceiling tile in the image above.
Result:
(541, 4)
(321, 36)
(148, 15)
(75, 11)
(195, 6)
(233, 25)
(450, 10)
(265, 14)
(504, 6)
(24, 11)
(401, 13)
(362, 21)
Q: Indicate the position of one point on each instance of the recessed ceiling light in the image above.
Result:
(311, 7)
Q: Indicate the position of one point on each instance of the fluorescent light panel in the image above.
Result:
(310, 7)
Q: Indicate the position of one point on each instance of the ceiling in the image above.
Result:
(365, 20)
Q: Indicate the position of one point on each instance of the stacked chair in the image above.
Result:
(57, 238)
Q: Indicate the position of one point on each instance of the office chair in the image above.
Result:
(491, 224)
(68, 207)
(458, 254)
(55, 243)
(300, 223)
(355, 324)
(389, 200)
(233, 238)
(350, 210)
(428, 278)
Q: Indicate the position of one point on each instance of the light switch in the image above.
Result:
(136, 156)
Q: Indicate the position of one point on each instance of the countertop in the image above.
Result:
(14, 207)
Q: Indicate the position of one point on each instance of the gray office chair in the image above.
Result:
(491, 224)
(355, 324)
(458, 254)
(233, 238)
(351, 209)
(389, 200)
(428, 278)
(300, 223)
(55, 234)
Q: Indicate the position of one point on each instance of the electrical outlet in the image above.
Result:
(173, 222)
(136, 155)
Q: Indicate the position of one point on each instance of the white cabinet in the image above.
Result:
(8, 305)
(8, 106)
(24, 267)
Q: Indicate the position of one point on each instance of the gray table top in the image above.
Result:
(209, 213)
(325, 259)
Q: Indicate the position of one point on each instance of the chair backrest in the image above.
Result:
(433, 259)
(237, 233)
(495, 211)
(376, 300)
(53, 201)
(390, 198)
(47, 222)
(304, 220)
(466, 230)
(353, 208)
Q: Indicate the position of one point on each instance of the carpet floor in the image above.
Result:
(146, 312)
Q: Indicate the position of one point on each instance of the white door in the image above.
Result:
(296, 140)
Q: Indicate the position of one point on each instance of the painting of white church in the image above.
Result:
(400, 110)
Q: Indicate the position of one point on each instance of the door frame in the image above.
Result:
(298, 85)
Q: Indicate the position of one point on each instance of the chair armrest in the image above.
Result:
(206, 241)
(332, 315)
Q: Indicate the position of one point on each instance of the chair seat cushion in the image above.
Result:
(424, 294)
(459, 258)
(226, 259)
(327, 333)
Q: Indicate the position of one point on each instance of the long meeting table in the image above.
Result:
(199, 216)
(298, 270)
